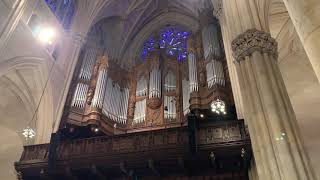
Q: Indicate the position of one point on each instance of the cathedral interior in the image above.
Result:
(159, 89)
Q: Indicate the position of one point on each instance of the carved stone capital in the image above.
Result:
(217, 8)
(253, 40)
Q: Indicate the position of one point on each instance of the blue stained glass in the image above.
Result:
(172, 40)
(64, 12)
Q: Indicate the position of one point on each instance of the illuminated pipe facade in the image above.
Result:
(186, 96)
(88, 63)
(80, 95)
(140, 112)
(210, 39)
(212, 51)
(142, 87)
(170, 112)
(155, 83)
(215, 74)
(170, 82)
(97, 100)
(192, 63)
(81, 90)
(115, 103)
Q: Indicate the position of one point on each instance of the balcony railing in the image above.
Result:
(209, 135)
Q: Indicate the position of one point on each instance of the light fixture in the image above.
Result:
(218, 106)
(96, 130)
(281, 137)
(46, 35)
(201, 115)
(28, 133)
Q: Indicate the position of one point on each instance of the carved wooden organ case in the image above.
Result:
(156, 93)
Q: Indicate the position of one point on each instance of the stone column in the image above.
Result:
(276, 141)
(305, 17)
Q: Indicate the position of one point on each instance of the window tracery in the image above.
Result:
(172, 40)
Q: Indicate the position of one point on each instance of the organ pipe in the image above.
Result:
(215, 74)
(210, 39)
(97, 100)
(170, 82)
(212, 51)
(140, 112)
(186, 96)
(115, 103)
(80, 95)
(192, 63)
(170, 112)
(155, 83)
(88, 63)
(142, 87)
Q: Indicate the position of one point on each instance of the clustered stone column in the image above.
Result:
(272, 124)
(279, 153)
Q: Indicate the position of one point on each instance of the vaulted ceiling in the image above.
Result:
(123, 25)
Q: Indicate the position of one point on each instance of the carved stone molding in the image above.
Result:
(217, 8)
(253, 40)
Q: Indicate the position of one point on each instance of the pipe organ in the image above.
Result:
(155, 83)
(158, 92)
(193, 75)
(211, 44)
(89, 59)
(142, 87)
(140, 112)
(97, 100)
(170, 111)
(80, 95)
(170, 82)
(215, 74)
(186, 96)
(115, 103)
(212, 53)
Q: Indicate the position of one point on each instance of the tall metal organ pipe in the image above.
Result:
(88, 63)
(140, 112)
(97, 100)
(142, 87)
(212, 51)
(192, 63)
(79, 97)
(170, 113)
(115, 103)
(155, 83)
(170, 82)
(186, 96)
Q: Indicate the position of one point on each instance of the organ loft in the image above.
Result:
(170, 114)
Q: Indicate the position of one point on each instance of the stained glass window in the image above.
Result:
(63, 9)
(172, 40)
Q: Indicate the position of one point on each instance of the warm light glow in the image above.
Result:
(218, 106)
(28, 133)
(46, 35)
(201, 115)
